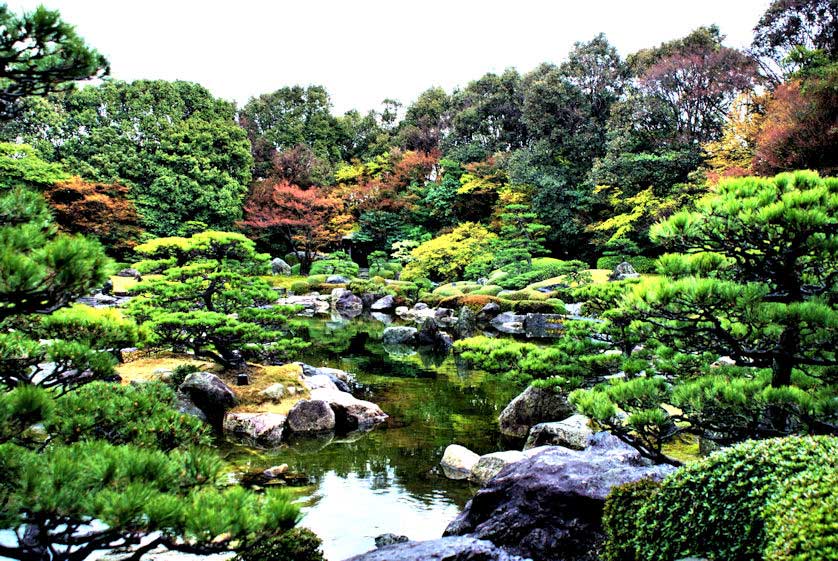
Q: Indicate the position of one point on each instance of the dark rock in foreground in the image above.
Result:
(549, 506)
(444, 549)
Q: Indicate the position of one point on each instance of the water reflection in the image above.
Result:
(388, 480)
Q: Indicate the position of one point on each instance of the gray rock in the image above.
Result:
(574, 432)
(549, 506)
(337, 279)
(489, 465)
(276, 471)
(130, 273)
(350, 413)
(280, 267)
(466, 323)
(420, 306)
(624, 271)
(389, 539)
(386, 319)
(430, 335)
(209, 394)
(444, 549)
(490, 310)
(274, 392)
(319, 381)
(259, 429)
(533, 406)
(458, 462)
(349, 305)
(399, 335)
(383, 304)
(311, 416)
(510, 323)
(543, 326)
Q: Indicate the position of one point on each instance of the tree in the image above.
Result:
(289, 117)
(211, 300)
(41, 54)
(790, 25)
(445, 258)
(754, 281)
(307, 220)
(96, 209)
(799, 129)
(175, 146)
(426, 121)
(520, 232)
(733, 153)
(696, 78)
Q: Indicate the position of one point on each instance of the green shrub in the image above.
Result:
(299, 287)
(292, 259)
(543, 269)
(718, 507)
(640, 263)
(103, 327)
(180, 373)
(142, 415)
(316, 279)
(488, 290)
(523, 294)
(548, 306)
(338, 263)
(295, 269)
(297, 544)
(620, 518)
(801, 522)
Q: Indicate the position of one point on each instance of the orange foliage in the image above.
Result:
(97, 209)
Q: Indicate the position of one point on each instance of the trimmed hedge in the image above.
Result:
(640, 263)
(745, 504)
(620, 518)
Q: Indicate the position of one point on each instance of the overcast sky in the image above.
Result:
(363, 51)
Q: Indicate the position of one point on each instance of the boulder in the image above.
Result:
(490, 310)
(383, 304)
(489, 465)
(350, 413)
(274, 392)
(455, 548)
(510, 323)
(208, 393)
(574, 432)
(311, 304)
(399, 335)
(445, 316)
(319, 381)
(535, 405)
(386, 319)
(458, 461)
(624, 271)
(543, 326)
(466, 323)
(311, 416)
(389, 539)
(431, 336)
(280, 267)
(259, 429)
(130, 273)
(349, 305)
(337, 279)
(107, 288)
(548, 506)
(276, 471)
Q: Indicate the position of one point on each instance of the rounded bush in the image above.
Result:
(619, 518)
(718, 507)
(299, 287)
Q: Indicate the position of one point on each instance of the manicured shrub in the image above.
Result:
(300, 287)
(523, 294)
(724, 506)
(547, 306)
(338, 263)
(640, 263)
(489, 290)
(297, 544)
(543, 269)
(620, 518)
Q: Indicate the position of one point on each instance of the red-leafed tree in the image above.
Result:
(306, 220)
(102, 210)
(800, 130)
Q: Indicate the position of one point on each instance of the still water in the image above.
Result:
(388, 480)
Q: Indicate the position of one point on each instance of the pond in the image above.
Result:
(388, 479)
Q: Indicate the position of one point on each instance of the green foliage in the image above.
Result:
(726, 506)
(338, 263)
(447, 256)
(103, 328)
(173, 144)
(297, 544)
(42, 54)
(142, 415)
(300, 287)
(620, 518)
(211, 300)
(546, 268)
(640, 263)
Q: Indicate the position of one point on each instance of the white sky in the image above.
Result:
(365, 50)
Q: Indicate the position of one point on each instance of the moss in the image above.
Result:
(143, 369)
(261, 377)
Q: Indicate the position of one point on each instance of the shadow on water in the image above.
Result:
(388, 479)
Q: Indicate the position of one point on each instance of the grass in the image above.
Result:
(260, 378)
